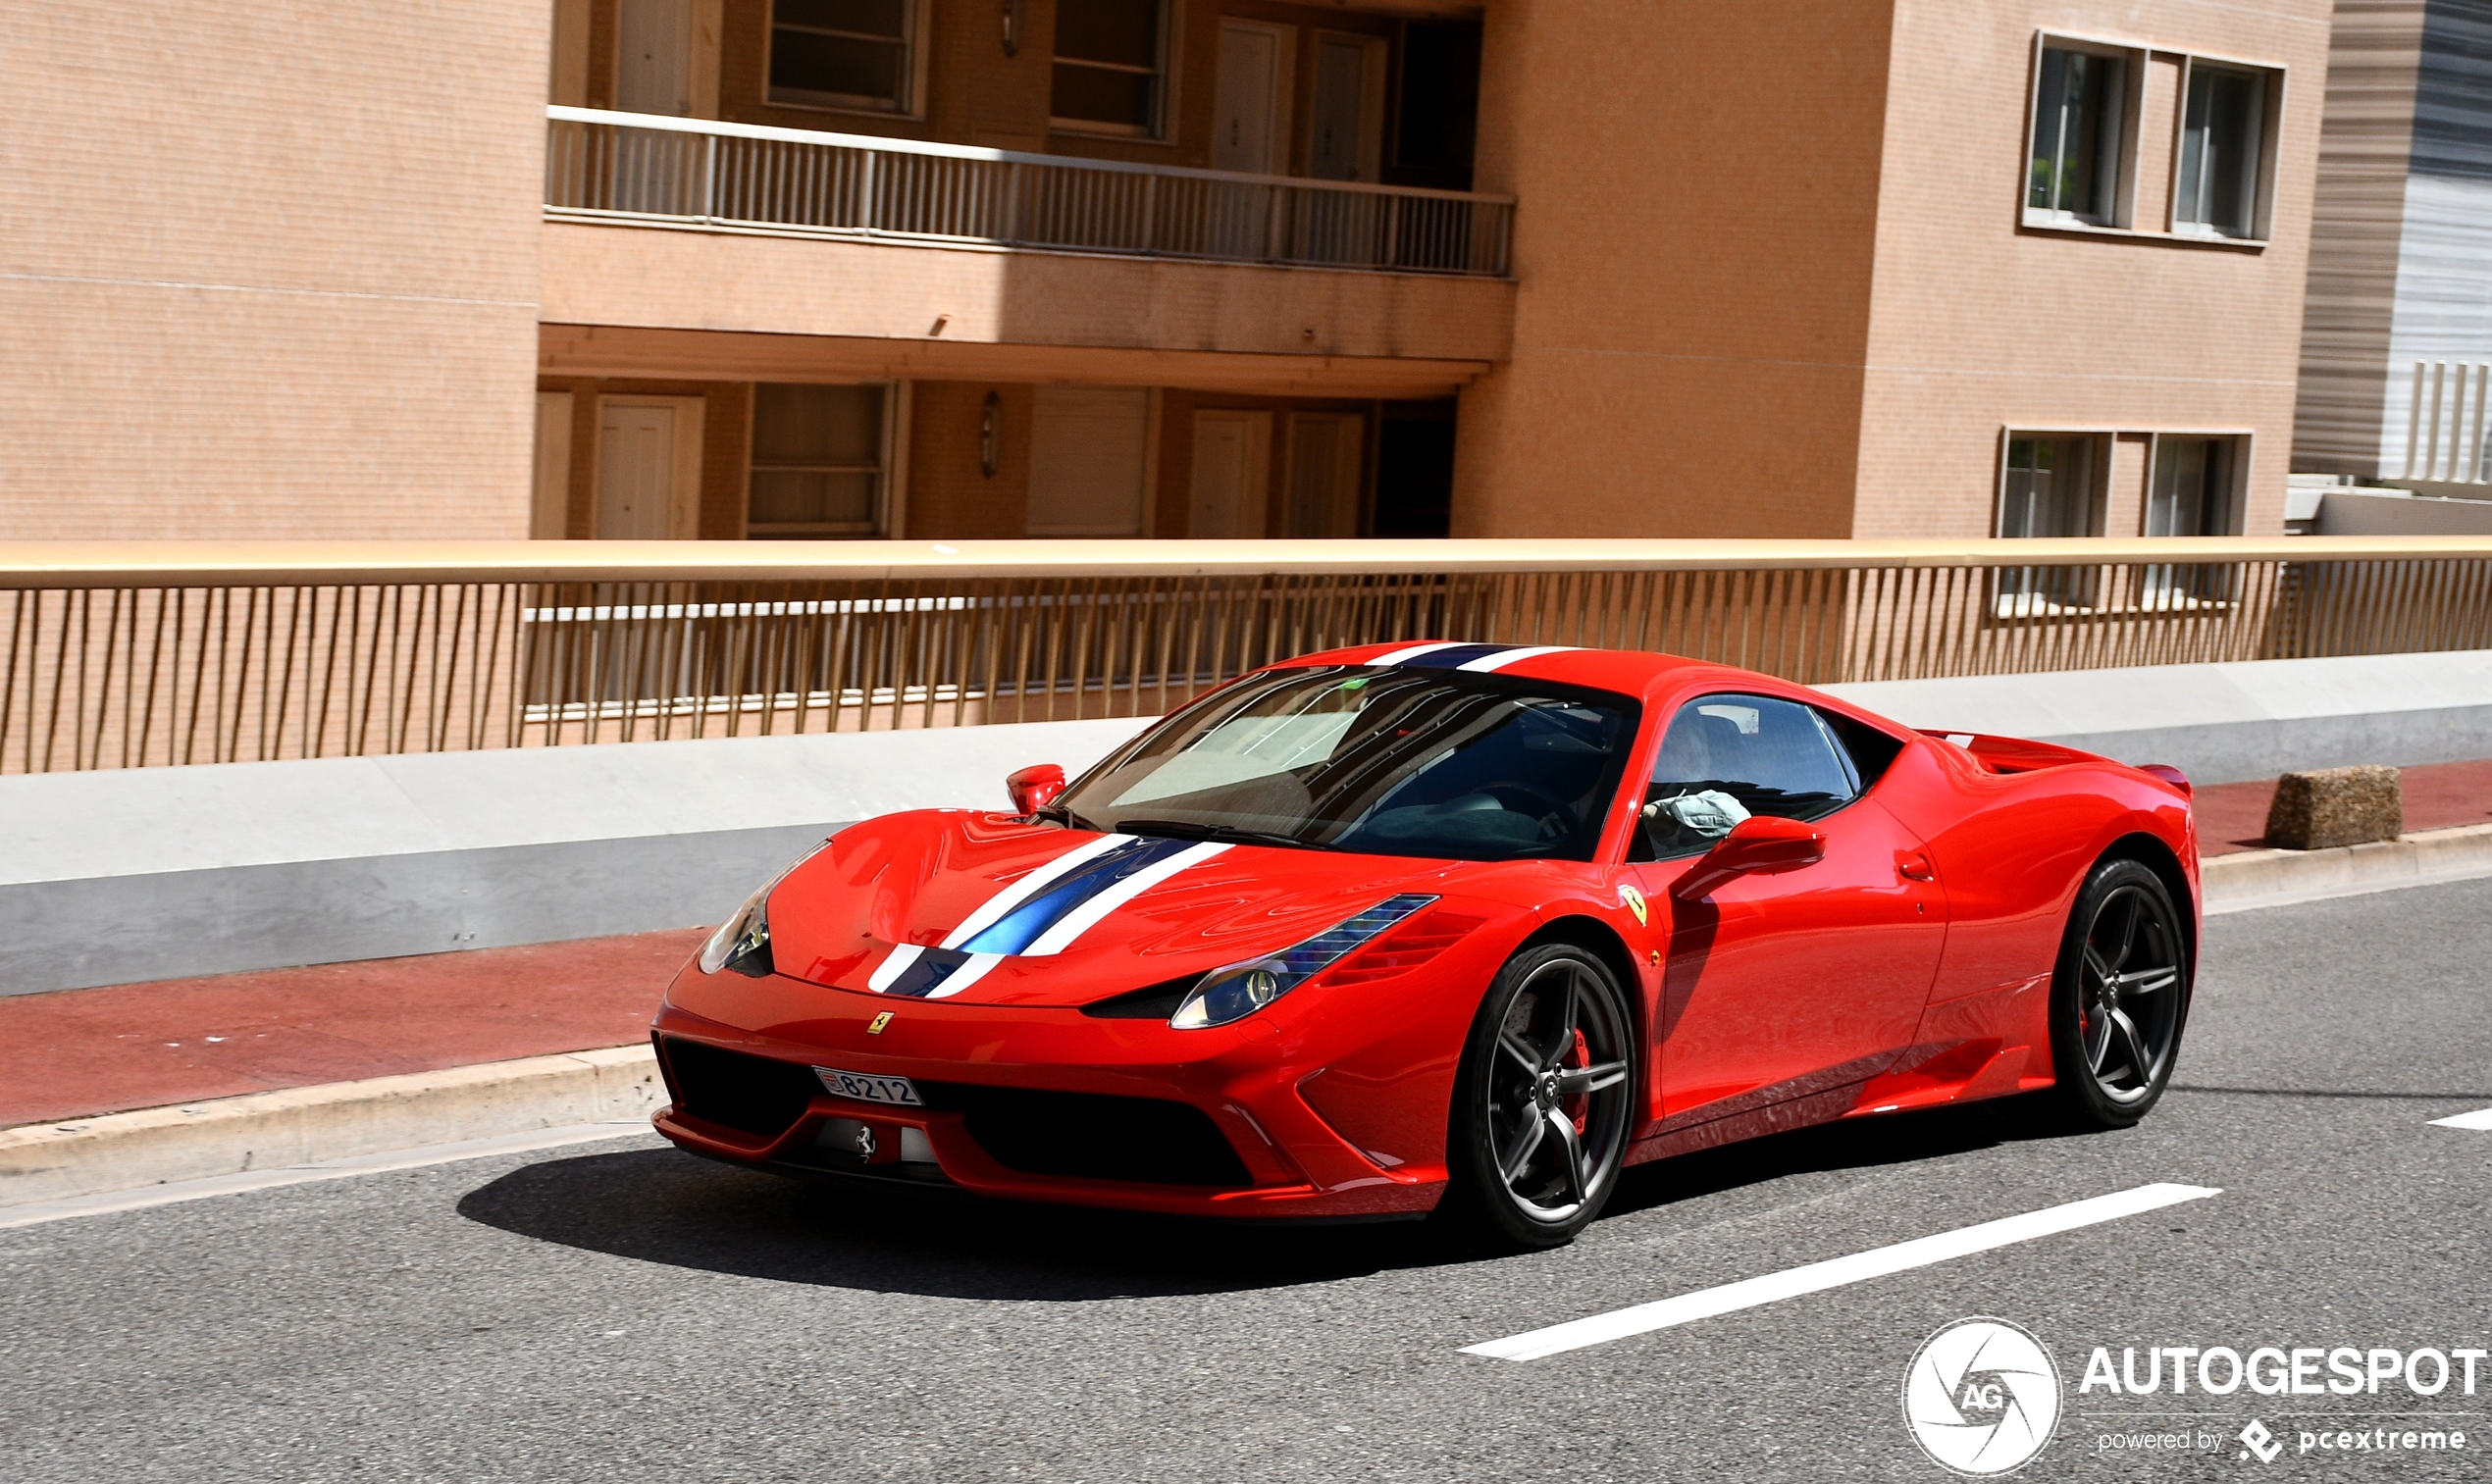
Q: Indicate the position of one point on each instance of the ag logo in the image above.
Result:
(1981, 1397)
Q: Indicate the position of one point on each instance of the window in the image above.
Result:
(2193, 487)
(2049, 486)
(2080, 136)
(1727, 757)
(820, 460)
(844, 54)
(2192, 494)
(1404, 760)
(1111, 65)
(2222, 138)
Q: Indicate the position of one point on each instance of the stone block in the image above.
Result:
(2335, 806)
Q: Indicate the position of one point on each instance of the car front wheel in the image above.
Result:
(1540, 1122)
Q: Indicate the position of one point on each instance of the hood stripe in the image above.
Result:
(1032, 880)
(1102, 873)
(1073, 924)
(1042, 913)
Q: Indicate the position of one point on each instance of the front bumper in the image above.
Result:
(1040, 1103)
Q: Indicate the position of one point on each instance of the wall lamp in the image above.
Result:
(989, 414)
(1011, 27)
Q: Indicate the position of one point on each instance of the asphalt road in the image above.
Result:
(630, 1312)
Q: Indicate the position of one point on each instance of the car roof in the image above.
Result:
(1632, 671)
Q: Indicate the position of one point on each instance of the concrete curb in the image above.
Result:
(2279, 878)
(309, 1126)
(316, 1125)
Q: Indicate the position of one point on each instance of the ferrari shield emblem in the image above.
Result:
(874, 1026)
(1634, 900)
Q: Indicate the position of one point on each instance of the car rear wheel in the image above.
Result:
(1538, 1127)
(2119, 997)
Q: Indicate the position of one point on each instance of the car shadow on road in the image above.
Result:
(666, 1206)
(1851, 1144)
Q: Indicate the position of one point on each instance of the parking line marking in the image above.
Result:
(2480, 1118)
(1877, 1262)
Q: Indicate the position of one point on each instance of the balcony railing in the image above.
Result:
(2449, 425)
(127, 655)
(644, 167)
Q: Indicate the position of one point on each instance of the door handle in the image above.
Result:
(1913, 865)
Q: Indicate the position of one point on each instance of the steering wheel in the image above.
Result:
(1557, 819)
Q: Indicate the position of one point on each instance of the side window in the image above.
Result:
(1725, 757)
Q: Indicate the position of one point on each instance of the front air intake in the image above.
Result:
(1090, 1136)
(751, 1095)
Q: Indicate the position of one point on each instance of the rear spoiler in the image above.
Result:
(2017, 755)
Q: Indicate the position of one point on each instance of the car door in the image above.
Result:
(1778, 986)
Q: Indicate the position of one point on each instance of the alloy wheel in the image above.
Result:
(1557, 1092)
(2129, 994)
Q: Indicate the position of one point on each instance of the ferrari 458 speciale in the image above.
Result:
(1441, 926)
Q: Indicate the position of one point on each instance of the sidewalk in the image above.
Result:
(78, 1053)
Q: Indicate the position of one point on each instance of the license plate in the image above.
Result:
(868, 1087)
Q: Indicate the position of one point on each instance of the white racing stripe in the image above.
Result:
(2480, 1119)
(895, 964)
(1081, 918)
(1836, 1272)
(1400, 657)
(1488, 662)
(965, 976)
(177, 1192)
(992, 910)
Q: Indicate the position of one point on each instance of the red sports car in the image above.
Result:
(1386, 930)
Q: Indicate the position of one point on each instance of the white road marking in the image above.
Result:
(2479, 1119)
(1878, 1262)
(36, 1212)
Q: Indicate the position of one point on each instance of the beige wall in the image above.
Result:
(269, 270)
(1699, 198)
(1980, 324)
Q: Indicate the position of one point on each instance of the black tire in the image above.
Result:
(2119, 997)
(1539, 1129)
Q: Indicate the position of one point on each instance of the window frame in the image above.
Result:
(888, 473)
(1639, 774)
(2013, 593)
(2164, 588)
(1163, 100)
(2273, 79)
(919, 16)
(2131, 117)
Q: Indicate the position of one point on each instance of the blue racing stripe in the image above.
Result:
(1453, 656)
(1018, 929)
(926, 975)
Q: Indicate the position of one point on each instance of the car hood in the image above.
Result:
(990, 909)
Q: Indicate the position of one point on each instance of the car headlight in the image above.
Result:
(1241, 989)
(743, 941)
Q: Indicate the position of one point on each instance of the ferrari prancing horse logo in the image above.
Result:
(874, 1026)
(1634, 900)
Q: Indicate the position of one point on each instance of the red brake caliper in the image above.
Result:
(1580, 1107)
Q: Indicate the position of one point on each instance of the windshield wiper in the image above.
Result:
(1186, 828)
(1064, 815)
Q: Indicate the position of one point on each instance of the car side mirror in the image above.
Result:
(1761, 844)
(1035, 787)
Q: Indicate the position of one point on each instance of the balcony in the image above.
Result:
(653, 171)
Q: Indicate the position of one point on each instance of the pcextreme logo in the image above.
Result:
(1981, 1397)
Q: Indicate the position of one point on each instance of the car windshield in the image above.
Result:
(1386, 762)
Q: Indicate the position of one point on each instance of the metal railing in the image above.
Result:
(698, 171)
(126, 655)
(2449, 425)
